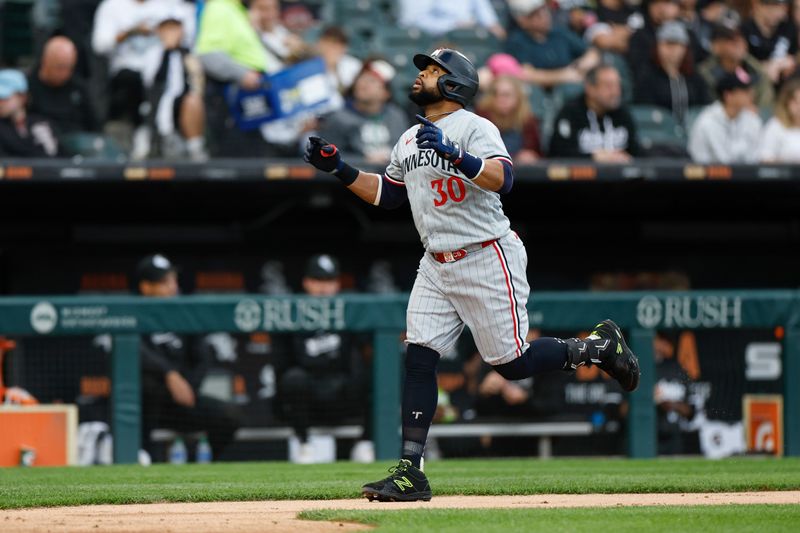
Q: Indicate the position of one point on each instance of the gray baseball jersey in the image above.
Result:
(487, 288)
(450, 211)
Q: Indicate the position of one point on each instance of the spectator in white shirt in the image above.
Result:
(125, 32)
(437, 17)
(728, 131)
(780, 142)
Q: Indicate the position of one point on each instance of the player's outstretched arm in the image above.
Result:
(371, 188)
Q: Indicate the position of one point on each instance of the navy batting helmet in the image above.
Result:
(460, 84)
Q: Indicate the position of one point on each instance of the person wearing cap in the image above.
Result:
(670, 79)
(55, 92)
(643, 42)
(772, 38)
(596, 124)
(325, 378)
(22, 134)
(728, 131)
(729, 52)
(700, 20)
(173, 368)
(174, 84)
(370, 121)
(550, 55)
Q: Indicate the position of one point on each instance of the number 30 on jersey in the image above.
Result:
(451, 189)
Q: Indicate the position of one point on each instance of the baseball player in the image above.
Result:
(452, 168)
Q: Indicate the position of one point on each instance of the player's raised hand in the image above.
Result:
(431, 137)
(322, 154)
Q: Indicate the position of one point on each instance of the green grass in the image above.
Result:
(20, 487)
(727, 518)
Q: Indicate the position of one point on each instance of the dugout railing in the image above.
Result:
(640, 314)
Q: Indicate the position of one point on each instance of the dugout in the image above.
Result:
(73, 227)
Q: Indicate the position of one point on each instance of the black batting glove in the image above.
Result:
(323, 155)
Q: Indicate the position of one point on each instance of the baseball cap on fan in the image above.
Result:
(12, 82)
(736, 80)
(521, 8)
(673, 32)
(154, 268)
(381, 69)
(322, 266)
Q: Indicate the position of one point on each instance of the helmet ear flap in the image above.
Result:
(450, 93)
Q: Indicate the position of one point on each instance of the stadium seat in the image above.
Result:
(540, 101)
(476, 43)
(91, 146)
(621, 64)
(16, 34)
(659, 133)
(691, 116)
(350, 12)
(545, 107)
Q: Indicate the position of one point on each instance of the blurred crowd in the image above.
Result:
(610, 80)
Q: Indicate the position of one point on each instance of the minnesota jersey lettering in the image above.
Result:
(454, 212)
(427, 158)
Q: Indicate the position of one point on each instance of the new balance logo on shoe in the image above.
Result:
(403, 483)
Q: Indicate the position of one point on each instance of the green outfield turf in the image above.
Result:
(23, 487)
(727, 518)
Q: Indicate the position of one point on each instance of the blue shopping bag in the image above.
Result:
(296, 89)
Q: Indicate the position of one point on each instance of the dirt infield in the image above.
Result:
(280, 516)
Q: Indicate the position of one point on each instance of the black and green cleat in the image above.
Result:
(405, 484)
(616, 359)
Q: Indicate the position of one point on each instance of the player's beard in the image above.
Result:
(425, 97)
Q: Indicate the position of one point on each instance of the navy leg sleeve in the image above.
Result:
(545, 354)
(420, 395)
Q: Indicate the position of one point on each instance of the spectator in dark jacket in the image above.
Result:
(772, 38)
(596, 124)
(616, 22)
(57, 94)
(370, 122)
(671, 396)
(670, 80)
(325, 378)
(21, 134)
(173, 368)
(643, 41)
(729, 52)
